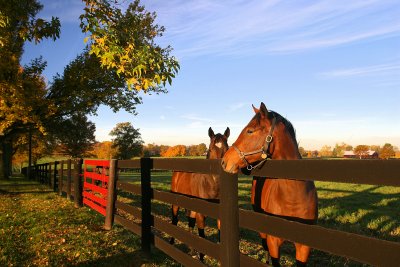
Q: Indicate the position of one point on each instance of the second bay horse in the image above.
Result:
(270, 136)
(205, 186)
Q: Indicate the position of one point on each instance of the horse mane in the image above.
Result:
(279, 118)
(288, 125)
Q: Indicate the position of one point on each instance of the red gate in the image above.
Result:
(95, 181)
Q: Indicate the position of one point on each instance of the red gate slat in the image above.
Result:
(103, 163)
(95, 198)
(96, 176)
(93, 201)
(95, 188)
(92, 205)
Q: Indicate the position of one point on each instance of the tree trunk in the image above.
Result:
(7, 159)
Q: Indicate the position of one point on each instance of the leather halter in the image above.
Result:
(265, 155)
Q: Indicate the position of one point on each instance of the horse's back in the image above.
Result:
(286, 197)
(195, 184)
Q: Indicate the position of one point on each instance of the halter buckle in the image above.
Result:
(268, 139)
(264, 155)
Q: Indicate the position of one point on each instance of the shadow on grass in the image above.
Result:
(133, 259)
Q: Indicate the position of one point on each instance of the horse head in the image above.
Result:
(268, 135)
(218, 144)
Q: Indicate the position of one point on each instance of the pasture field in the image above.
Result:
(363, 209)
(37, 227)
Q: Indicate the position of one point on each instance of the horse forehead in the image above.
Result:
(219, 138)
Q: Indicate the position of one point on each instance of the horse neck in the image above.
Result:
(285, 147)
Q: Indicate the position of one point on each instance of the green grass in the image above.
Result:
(38, 228)
(362, 209)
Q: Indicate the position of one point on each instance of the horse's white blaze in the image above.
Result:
(219, 144)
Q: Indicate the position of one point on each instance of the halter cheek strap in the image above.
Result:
(264, 149)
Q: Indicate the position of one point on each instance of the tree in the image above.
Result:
(125, 44)
(303, 152)
(325, 151)
(361, 151)
(75, 135)
(175, 151)
(128, 141)
(339, 149)
(151, 150)
(121, 59)
(21, 89)
(387, 151)
(103, 150)
(201, 149)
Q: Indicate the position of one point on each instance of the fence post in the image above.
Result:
(54, 177)
(229, 216)
(48, 175)
(69, 179)
(37, 178)
(111, 194)
(60, 178)
(78, 183)
(146, 164)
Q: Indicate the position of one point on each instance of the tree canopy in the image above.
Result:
(127, 141)
(121, 59)
(124, 43)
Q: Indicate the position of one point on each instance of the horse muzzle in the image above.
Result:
(233, 168)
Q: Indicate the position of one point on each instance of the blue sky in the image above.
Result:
(332, 68)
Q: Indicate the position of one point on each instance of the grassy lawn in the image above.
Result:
(363, 209)
(39, 228)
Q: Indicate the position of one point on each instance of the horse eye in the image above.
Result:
(250, 131)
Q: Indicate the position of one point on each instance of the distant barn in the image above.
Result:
(371, 155)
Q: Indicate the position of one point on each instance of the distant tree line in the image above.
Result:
(384, 152)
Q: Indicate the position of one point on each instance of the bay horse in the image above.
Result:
(268, 135)
(205, 186)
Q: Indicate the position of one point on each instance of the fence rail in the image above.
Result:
(356, 247)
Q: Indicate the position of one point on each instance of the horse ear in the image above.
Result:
(263, 109)
(211, 133)
(227, 132)
(256, 110)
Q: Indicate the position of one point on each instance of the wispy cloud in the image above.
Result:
(237, 106)
(196, 118)
(380, 69)
(197, 28)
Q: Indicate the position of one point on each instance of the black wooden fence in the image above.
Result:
(353, 246)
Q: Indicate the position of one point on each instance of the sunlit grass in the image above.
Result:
(37, 227)
(362, 209)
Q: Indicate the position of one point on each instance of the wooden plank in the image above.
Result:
(176, 254)
(196, 204)
(189, 165)
(129, 164)
(129, 209)
(375, 172)
(200, 244)
(128, 224)
(128, 187)
(356, 247)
